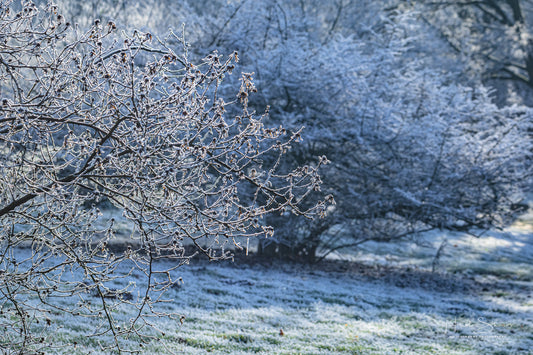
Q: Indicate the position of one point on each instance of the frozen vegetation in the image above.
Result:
(390, 140)
(479, 301)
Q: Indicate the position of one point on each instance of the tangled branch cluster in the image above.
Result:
(90, 116)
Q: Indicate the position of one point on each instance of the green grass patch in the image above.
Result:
(239, 338)
(197, 343)
(272, 340)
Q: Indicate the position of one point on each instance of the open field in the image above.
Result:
(387, 301)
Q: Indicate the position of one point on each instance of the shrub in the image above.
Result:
(88, 116)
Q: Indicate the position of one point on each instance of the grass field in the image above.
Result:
(383, 299)
(386, 301)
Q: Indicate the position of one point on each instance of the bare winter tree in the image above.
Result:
(493, 38)
(412, 149)
(92, 116)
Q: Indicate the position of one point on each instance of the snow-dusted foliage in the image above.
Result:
(90, 115)
(493, 39)
(415, 138)
(412, 148)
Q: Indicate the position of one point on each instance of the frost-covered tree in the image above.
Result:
(402, 116)
(412, 148)
(493, 39)
(90, 115)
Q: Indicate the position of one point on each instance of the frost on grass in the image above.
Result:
(341, 309)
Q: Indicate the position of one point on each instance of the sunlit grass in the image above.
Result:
(475, 304)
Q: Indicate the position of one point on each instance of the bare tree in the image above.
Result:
(88, 116)
(412, 149)
(492, 37)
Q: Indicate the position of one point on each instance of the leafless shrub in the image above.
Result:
(92, 115)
